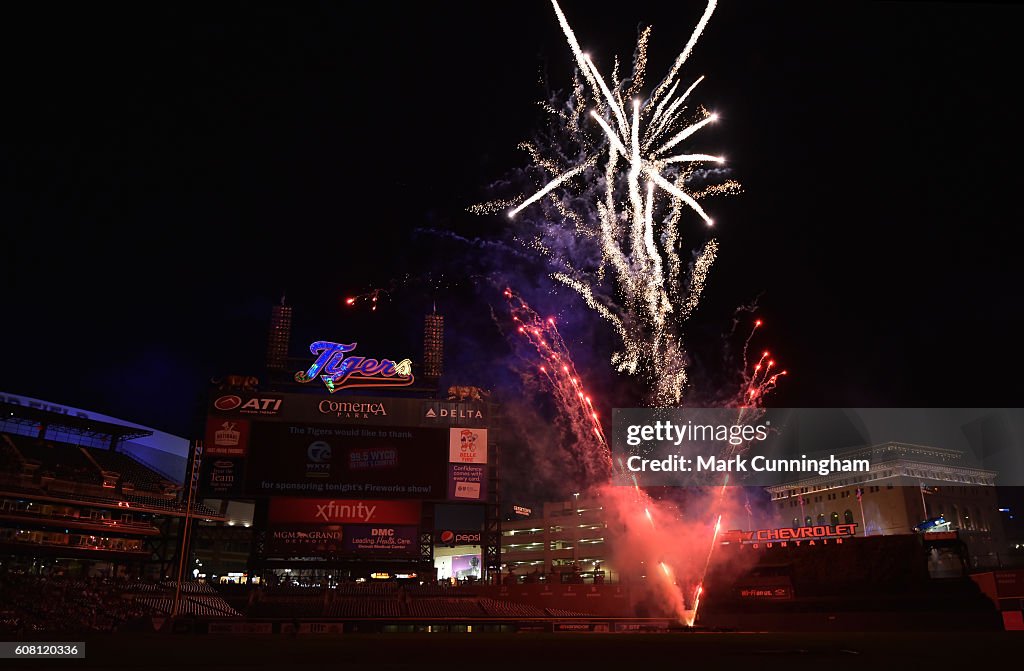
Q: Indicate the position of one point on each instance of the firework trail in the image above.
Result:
(655, 536)
(607, 217)
(558, 371)
(590, 446)
(618, 187)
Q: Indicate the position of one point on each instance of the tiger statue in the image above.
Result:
(236, 382)
(466, 393)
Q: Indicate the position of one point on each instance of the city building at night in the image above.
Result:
(566, 542)
(907, 486)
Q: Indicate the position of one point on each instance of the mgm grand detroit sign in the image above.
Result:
(790, 537)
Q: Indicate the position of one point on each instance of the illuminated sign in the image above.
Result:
(822, 534)
(338, 371)
(784, 593)
(522, 510)
(467, 446)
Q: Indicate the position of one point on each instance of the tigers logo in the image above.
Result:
(338, 371)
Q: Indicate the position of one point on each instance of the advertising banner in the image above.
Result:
(773, 593)
(467, 446)
(325, 459)
(378, 541)
(467, 482)
(221, 477)
(355, 410)
(304, 541)
(227, 438)
(287, 511)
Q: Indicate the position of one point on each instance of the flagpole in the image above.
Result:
(860, 500)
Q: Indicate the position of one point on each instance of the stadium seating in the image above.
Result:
(367, 588)
(434, 607)
(55, 604)
(365, 607)
(132, 472)
(56, 460)
(496, 608)
(563, 612)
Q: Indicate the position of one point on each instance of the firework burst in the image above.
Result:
(617, 191)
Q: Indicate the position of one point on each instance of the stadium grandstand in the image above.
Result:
(75, 504)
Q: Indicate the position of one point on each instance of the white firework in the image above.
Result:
(636, 212)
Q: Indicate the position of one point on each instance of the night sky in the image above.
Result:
(170, 169)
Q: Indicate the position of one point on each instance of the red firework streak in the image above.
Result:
(575, 403)
(756, 384)
(558, 370)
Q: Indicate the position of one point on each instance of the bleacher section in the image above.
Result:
(382, 600)
(33, 465)
(441, 607)
(498, 608)
(288, 606)
(10, 458)
(54, 604)
(132, 472)
(564, 612)
(54, 459)
(366, 607)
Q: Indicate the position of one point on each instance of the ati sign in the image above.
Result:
(250, 406)
(338, 371)
(798, 536)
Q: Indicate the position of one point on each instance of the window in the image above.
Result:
(821, 519)
(796, 522)
(848, 516)
(835, 518)
(808, 522)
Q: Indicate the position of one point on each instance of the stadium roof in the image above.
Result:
(82, 426)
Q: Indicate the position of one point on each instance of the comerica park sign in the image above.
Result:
(785, 537)
(338, 370)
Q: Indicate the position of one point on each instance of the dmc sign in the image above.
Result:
(338, 371)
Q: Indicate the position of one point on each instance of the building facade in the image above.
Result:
(906, 486)
(566, 542)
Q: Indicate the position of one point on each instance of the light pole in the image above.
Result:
(193, 476)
